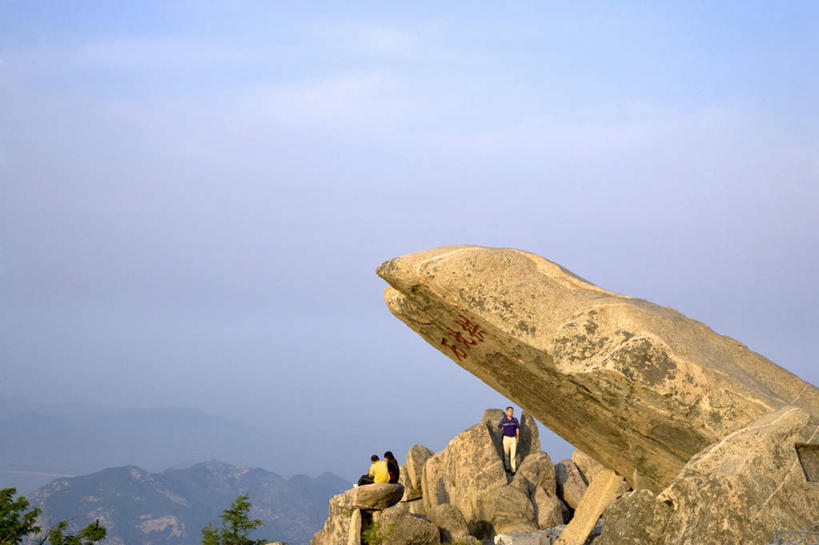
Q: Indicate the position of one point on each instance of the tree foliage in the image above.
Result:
(87, 536)
(16, 524)
(236, 526)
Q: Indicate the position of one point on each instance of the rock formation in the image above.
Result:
(570, 483)
(346, 513)
(467, 495)
(597, 498)
(718, 442)
(739, 490)
(639, 387)
(416, 458)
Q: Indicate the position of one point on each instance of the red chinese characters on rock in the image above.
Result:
(460, 342)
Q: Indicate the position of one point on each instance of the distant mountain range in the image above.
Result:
(36, 447)
(172, 507)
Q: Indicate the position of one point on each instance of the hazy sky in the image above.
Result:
(194, 195)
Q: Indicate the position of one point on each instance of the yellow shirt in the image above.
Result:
(379, 472)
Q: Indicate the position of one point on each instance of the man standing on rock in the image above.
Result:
(511, 435)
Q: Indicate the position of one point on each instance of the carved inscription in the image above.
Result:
(461, 340)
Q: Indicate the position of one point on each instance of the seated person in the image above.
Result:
(378, 472)
(392, 466)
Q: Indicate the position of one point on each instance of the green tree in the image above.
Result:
(16, 525)
(235, 526)
(87, 536)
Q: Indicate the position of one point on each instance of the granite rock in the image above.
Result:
(639, 387)
(741, 489)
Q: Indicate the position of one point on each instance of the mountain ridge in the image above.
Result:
(172, 506)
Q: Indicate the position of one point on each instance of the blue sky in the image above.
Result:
(194, 196)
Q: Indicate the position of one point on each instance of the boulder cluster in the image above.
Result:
(719, 444)
(464, 495)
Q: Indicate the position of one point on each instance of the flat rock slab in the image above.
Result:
(376, 496)
(638, 387)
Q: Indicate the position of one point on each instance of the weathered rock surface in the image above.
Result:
(336, 528)
(739, 490)
(376, 495)
(416, 507)
(354, 531)
(570, 484)
(601, 492)
(587, 465)
(537, 469)
(468, 478)
(449, 520)
(549, 509)
(405, 529)
(547, 536)
(469, 464)
(506, 509)
(344, 521)
(411, 473)
(589, 468)
(639, 387)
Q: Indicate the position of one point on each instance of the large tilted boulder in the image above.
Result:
(739, 490)
(638, 387)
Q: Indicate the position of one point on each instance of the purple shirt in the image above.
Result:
(510, 426)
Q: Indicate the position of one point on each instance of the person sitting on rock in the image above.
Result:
(392, 466)
(378, 472)
(511, 435)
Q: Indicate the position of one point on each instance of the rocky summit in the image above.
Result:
(462, 494)
(655, 396)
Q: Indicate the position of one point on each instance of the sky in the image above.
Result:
(194, 196)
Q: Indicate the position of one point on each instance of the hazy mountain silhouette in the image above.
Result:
(171, 507)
